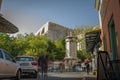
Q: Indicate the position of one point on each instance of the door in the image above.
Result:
(113, 41)
(113, 45)
(11, 65)
(2, 65)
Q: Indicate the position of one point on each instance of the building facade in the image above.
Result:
(53, 31)
(109, 15)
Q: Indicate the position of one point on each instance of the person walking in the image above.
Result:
(88, 67)
(46, 64)
(43, 65)
(39, 66)
(62, 66)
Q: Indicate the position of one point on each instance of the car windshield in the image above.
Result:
(25, 59)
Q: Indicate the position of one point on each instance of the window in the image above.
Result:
(8, 56)
(119, 2)
(25, 59)
(97, 4)
(113, 38)
(102, 11)
(43, 31)
(1, 56)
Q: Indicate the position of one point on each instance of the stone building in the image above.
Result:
(53, 31)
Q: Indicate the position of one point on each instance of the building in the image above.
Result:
(109, 16)
(53, 31)
(5, 25)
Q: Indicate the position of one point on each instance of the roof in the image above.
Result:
(6, 26)
(92, 38)
(97, 4)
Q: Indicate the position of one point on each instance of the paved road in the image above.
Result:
(59, 76)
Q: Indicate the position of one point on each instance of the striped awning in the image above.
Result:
(6, 26)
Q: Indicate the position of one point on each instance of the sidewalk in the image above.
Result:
(81, 75)
(89, 76)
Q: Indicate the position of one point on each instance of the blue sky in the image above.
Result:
(30, 15)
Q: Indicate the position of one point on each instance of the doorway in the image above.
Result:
(113, 41)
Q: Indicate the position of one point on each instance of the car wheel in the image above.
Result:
(18, 75)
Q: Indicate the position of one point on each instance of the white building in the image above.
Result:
(53, 31)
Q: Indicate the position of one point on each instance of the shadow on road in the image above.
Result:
(27, 77)
(58, 78)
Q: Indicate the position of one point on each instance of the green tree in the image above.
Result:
(82, 54)
(29, 44)
(80, 33)
(20, 44)
(51, 49)
(60, 49)
(38, 44)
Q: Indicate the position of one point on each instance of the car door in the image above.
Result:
(11, 65)
(2, 64)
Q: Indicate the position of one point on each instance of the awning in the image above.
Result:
(6, 26)
(92, 38)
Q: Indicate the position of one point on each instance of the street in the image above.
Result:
(58, 76)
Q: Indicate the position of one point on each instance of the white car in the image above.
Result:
(8, 66)
(28, 65)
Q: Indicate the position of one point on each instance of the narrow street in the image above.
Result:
(59, 76)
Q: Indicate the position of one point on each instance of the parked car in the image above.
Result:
(28, 65)
(8, 66)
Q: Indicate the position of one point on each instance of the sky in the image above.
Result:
(30, 15)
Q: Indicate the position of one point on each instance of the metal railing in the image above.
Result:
(116, 67)
(106, 67)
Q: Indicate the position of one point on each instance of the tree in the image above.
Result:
(80, 33)
(82, 54)
(37, 44)
(51, 49)
(29, 44)
(60, 49)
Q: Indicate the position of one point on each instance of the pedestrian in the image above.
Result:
(83, 66)
(46, 64)
(41, 64)
(88, 67)
(62, 66)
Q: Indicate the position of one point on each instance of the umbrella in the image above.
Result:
(6, 26)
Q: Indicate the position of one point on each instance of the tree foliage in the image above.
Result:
(60, 49)
(80, 33)
(29, 44)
